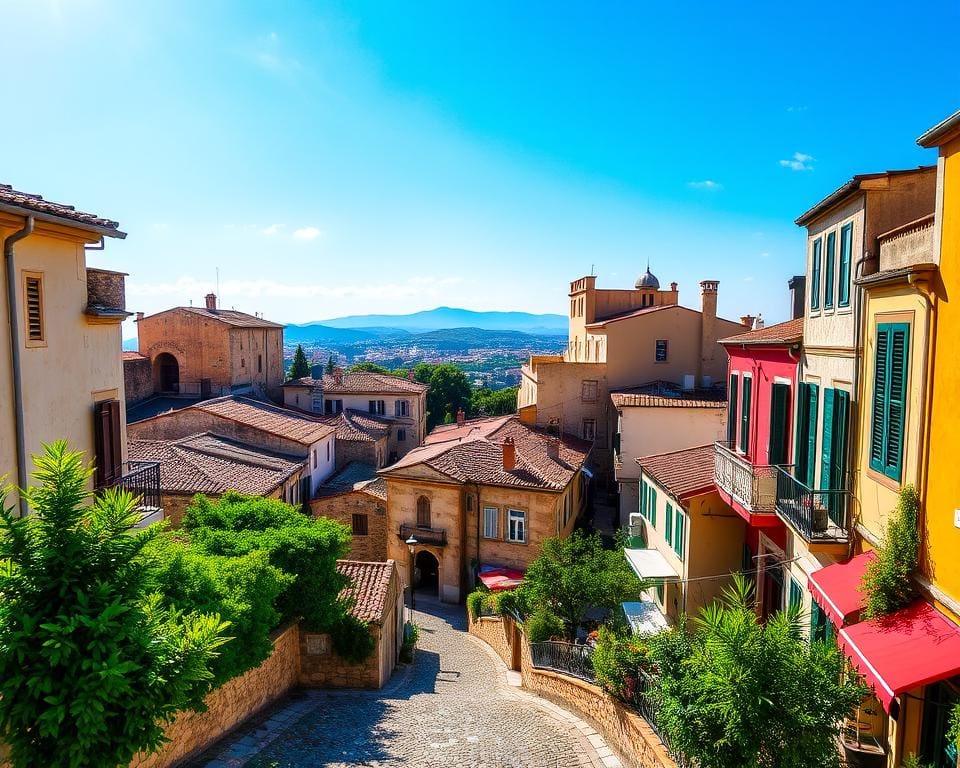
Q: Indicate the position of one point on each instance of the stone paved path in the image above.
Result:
(452, 707)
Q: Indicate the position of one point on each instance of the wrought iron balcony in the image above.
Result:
(819, 515)
(142, 479)
(423, 535)
(754, 486)
(566, 658)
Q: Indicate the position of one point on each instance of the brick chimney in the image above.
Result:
(338, 376)
(747, 321)
(139, 317)
(553, 448)
(211, 299)
(461, 417)
(673, 287)
(713, 360)
(798, 287)
(509, 455)
(410, 375)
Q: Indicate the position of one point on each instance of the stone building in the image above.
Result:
(361, 437)
(357, 497)
(255, 423)
(60, 344)
(619, 339)
(208, 352)
(403, 402)
(484, 492)
(211, 464)
(137, 378)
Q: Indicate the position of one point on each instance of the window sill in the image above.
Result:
(887, 482)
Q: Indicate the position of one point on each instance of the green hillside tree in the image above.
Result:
(449, 391)
(330, 367)
(300, 366)
(91, 664)
(493, 402)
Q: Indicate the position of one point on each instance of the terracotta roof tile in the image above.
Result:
(683, 473)
(355, 476)
(208, 463)
(128, 355)
(357, 426)
(782, 333)
(267, 417)
(369, 588)
(12, 197)
(361, 382)
(230, 317)
(665, 394)
(478, 457)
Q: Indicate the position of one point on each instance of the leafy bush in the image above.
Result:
(513, 603)
(304, 547)
(242, 590)
(91, 663)
(411, 633)
(475, 602)
(543, 625)
(888, 580)
(352, 639)
(618, 661)
(954, 730)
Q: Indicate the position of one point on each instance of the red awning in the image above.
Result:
(915, 646)
(498, 579)
(836, 588)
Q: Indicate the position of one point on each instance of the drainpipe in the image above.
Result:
(857, 405)
(13, 313)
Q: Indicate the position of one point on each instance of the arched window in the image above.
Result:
(423, 512)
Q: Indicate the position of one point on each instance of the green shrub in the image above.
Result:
(512, 603)
(543, 625)
(352, 639)
(954, 732)
(475, 602)
(298, 545)
(888, 580)
(619, 661)
(242, 590)
(411, 633)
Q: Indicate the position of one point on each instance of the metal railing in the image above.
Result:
(435, 536)
(142, 479)
(753, 485)
(566, 658)
(817, 514)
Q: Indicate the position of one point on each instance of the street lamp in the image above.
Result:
(412, 546)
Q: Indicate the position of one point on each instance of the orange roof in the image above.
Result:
(683, 473)
(369, 588)
(129, 355)
(267, 417)
(782, 333)
(65, 214)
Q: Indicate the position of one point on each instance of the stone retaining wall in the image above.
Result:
(321, 667)
(622, 728)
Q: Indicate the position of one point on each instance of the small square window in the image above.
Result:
(360, 525)
(661, 351)
(588, 390)
(491, 523)
(401, 435)
(589, 429)
(517, 526)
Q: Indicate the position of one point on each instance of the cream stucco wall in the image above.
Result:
(80, 362)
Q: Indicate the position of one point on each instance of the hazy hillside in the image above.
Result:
(449, 317)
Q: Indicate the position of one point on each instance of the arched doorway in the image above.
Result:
(426, 576)
(166, 372)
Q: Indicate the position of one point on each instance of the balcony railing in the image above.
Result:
(817, 514)
(752, 485)
(566, 658)
(142, 479)
(435, 536)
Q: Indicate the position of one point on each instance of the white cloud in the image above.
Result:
(748, 279)
(707, 184)
(799, 162)
(796, 109)
(272, 230)
(268, 54)
(307, 233)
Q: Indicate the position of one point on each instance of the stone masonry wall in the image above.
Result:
(137, 379)
(342, 508)
(105, 288)
(231, 703)
(497, 633)
(320, 667)
(622, 728)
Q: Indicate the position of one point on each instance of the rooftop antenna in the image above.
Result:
(218, 281)
(592, 270)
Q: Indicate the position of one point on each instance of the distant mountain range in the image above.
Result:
(443, 318)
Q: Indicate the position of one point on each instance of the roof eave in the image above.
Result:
(941, 132)
(18, 210)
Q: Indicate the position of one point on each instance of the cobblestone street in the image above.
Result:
(452, 707)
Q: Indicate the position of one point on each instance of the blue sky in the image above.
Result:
(354, 157)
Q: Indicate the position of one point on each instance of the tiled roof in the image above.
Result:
(355, 476)
(683, 473)
(782, 333)
(128, 355)
(231, 317)
(665, 394)
(848, 188)
(36, 204)
(478, 458)
(357, 426)
(267, 417)
(208, 463)
(470, 428)
(369, 588)
(361, 382)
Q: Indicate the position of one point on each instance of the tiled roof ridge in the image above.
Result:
(35, 202)
(771, 334)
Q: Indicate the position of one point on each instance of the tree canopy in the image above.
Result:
(300, 367)
(368, 367)
(91, 663)
(493, 402)
(736, 693)
(449, 392)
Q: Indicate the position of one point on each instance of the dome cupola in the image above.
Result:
(647, 280)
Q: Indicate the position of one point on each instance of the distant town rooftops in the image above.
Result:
(357, 476)
(209, 463)
(685, 473)
(665, 394)
(852, 186)
(360, 382)
(25, 204)
(789, 332)
(479, 454)
(369, 588)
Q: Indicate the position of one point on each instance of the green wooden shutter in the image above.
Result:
(828, 270)
(879, 398)
(801, 421)
(796, 593)
(846, 246)
(813, 401)
(779, 428)
(643, 498)
(668, 528)
(815, 275)
(745, 416)
(841, 426)
(896, 400)
(653, 507)
(826, 447)
(678, 538)
(732, 411)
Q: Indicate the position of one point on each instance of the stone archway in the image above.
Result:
(166, 374)
(426, 576)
